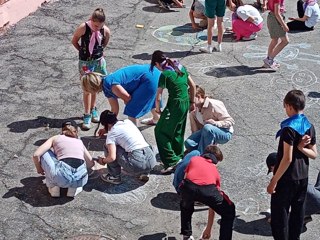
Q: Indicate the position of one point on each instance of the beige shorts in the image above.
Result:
(275, 28)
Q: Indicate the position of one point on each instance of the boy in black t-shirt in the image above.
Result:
(288, 186)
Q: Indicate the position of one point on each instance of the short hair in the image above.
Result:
(98, 15)
(200, 91)
(215, 150)
(296, 99)
(91, 82)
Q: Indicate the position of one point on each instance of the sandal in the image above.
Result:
(148, 121)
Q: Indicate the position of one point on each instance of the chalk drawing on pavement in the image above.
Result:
(200, 68)
(287, 57)
(180, 35)
(130, 191)
(248, 206)
(258, 170)
(304, 80)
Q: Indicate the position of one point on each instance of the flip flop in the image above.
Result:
(148, 121)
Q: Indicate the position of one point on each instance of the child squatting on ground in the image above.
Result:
(288, 185)
(94, 36)
(202, 183)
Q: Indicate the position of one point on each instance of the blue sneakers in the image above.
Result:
(95, 115)
(86, 125)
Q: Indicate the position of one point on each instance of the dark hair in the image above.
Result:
(296, 99)
(70, 129)
(98, 15)
(238, 3)
(106, 117)
(159, 57)
(215, 150)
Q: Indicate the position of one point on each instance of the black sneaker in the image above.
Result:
(111, 179)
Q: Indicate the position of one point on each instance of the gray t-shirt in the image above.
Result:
(313, 14)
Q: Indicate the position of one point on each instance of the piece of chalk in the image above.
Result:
(139, 26)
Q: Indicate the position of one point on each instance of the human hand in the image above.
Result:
(285, 27)
(305, 140)
(40, 170)
(291, 18)
(101, 132)
(206, 234)
(272, 186)
(195, 26)
(211, 121)
(100, 160)
(192, 107)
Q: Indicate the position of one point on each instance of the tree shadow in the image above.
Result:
(40, 121)
(156, 236)
(35, 193)
(177, 54)
(235, 71)
(259, 227)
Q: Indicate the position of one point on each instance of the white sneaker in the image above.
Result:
(218, 48)
(207, 49)
(72, 192)
(54, 191)
(188, 237)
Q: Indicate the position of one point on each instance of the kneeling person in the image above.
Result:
(125, 147)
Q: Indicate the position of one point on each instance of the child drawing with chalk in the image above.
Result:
(94, 36)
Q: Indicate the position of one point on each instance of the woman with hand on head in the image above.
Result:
(169, 131)
(65, 166)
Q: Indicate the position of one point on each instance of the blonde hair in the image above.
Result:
(70, 131)
(91, 82)
(200, 91)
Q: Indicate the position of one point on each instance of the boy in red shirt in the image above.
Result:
(202, 184)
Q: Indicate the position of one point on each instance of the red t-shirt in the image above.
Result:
(202, 171)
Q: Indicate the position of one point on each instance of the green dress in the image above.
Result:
(169, 132)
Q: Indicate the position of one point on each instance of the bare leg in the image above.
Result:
(210, 30)
(284, 42)
(220, 29)
(134, 120)
(93, 100)
(155, 116)
(87, 102)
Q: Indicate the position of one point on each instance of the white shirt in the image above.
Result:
(126, 135)
(246, 11)
(313, 14)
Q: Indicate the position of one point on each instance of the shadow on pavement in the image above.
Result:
(314, 94)
(152, 1)
(157, 9)
(40, 121)
(167, 200)
(259, 227)
(35, 193)
(156, 236)
(94, 143)
(236, 71)
(177, 54)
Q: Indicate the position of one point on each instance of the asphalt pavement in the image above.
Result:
(40, 88)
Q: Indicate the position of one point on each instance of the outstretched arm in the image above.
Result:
(207, 231)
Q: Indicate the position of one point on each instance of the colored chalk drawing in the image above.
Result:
(180, 35)
(306, 81)
(287, 57)
(200, 68)
(123, 193)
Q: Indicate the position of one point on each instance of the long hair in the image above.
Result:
(159, 57)
(70, 131)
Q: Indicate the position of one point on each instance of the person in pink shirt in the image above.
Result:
(65, 166)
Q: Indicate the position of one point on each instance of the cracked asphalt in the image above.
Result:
(40, 88)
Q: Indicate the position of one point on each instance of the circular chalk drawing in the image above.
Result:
(248, 206)
(180, 35)
(130, 191)
(304, 78)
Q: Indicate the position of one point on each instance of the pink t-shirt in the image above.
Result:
(202, 171)
(68, 147)
(271, 3)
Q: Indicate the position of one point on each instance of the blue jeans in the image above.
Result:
(60, 174)
(209, 134)
(137, 162)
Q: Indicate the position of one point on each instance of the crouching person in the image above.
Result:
(65, 166)
(202, 184)
(125, 147)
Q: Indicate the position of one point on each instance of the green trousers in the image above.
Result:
(169, 131)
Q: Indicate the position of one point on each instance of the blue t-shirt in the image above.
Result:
(130, 78)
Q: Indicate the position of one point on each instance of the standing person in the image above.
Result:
(65, 166)
(309, 15)
(94, 36)
(136, 85)
(210, 123)
(278, 32)
(246, 20)
(169, 131)
(202, 183)
(288, 185)
(125, 147)
(214, 9)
